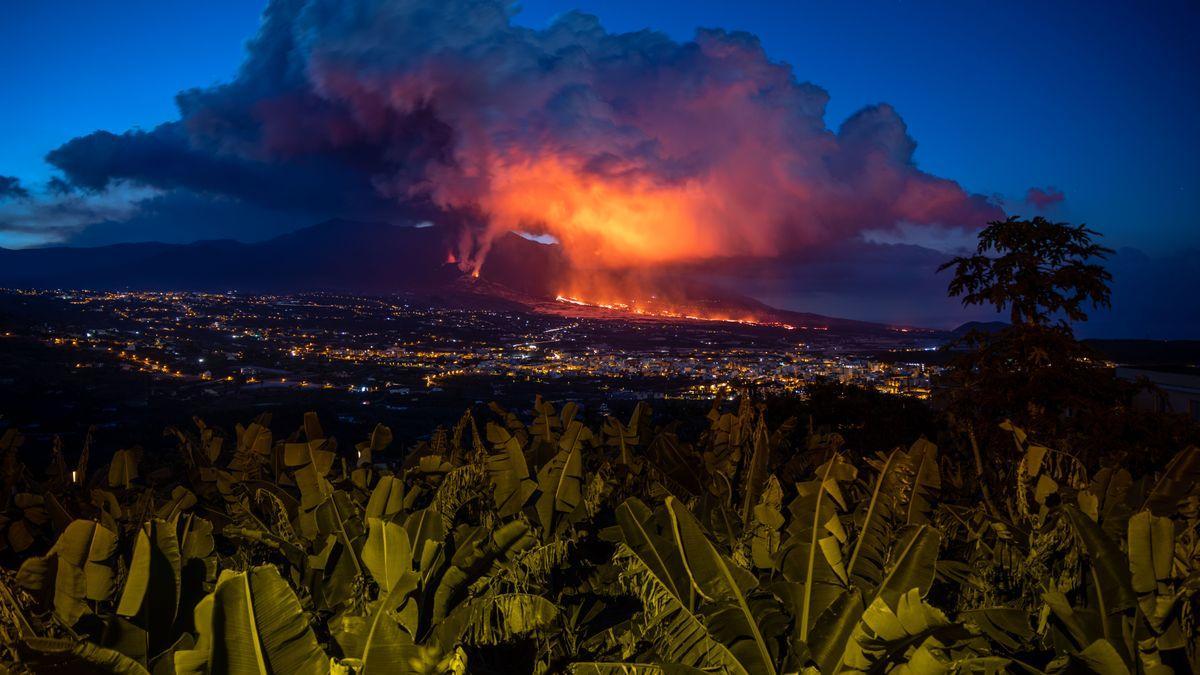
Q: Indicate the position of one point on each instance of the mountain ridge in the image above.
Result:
(357, 257)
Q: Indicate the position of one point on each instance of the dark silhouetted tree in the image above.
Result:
(1036, 269)
(1033, 372)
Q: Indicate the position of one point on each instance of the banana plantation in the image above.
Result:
(554, 543)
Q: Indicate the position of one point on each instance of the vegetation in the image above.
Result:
(715, 543)
(1034, 371)
(549, 545)
(1037, 269)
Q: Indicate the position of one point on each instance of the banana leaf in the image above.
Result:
(1108, 569)
(601, 668)
(877, 518)
(546, 423)
(387, 552)
(123, 469)
(84, 557)
(1179, 479)
(496, 619)
(511, 483)
(473, 559)
(927, 482)
(914, 635)
(812, 554)
(150, 597)
(717, 580)
(387, 498)
(424, 528)
(310, 463)
(388, 643)
(677, 634)
(756, 471)
(252, 624)
(1151, 550)
(561, 484)
(766, 521)
(68, 655)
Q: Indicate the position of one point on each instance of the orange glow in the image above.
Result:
(621, 218)
(655, 308)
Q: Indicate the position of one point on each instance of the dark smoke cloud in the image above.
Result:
(420, 108)
(1043, 199)
(10, 188)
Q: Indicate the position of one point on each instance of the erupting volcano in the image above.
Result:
(637, 153)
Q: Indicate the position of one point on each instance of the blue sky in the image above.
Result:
(1096, 99)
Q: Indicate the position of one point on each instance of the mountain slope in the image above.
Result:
(362, 257)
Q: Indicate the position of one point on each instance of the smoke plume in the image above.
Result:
(630, 149)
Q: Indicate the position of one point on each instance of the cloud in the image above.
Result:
(31, 222)
(1044, 198)
(10, 188)
(629, 148)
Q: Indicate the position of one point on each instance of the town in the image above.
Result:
(398, 354)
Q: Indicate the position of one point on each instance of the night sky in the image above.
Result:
(1078, 111)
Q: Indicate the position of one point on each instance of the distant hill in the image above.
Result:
(355, 257)
(980, 326)
(334, 255)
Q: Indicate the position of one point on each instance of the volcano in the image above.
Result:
(374, 258)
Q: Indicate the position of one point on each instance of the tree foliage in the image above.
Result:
(556, 546)
(1037, 269)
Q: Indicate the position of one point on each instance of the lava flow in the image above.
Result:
(654, 310)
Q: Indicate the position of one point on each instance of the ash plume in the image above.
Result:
(630, 149)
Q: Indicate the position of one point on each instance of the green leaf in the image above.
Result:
(913, 563)
(310, 463)
(252, 624)
(601, 668)
(387, 499)
(1005, 626)
(107, 660)
(508, 471)
(927, 482)
(123, 469)
(812, 553)
(644, 533)
(474, 558)
(181, 500)
(85, 554)
(1101, 658)
(833, 628)
(561, 485)
(387, 553)
(150, 598)
(884, 635)
(1179, 479)
(388, 645)
(877, 519)
(756, 472)
(717, 579)
(425, 529)
(1151, 550)
(767, 519)
(677, 633)
(1109, 570)
(497, 619)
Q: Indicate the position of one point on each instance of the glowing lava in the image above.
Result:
(652, 309)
